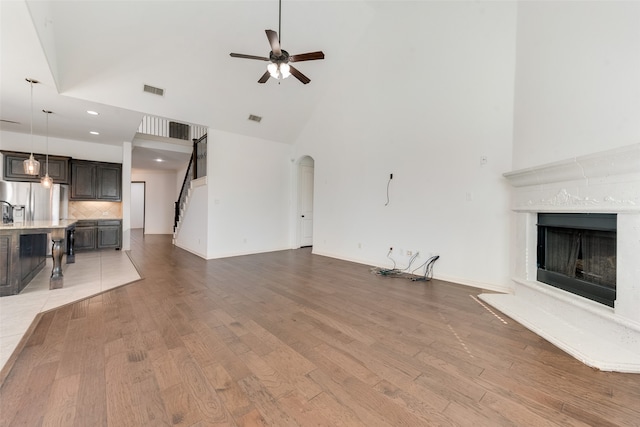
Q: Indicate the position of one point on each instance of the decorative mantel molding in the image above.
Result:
(564, 199)
(602, 182)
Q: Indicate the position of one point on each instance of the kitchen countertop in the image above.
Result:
(101, 218)
(27, 225)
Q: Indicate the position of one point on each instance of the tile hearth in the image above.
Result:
(92, 273)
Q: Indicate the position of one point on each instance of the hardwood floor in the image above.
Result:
(289, 338)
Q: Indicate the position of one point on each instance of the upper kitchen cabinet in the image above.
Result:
(14, 168)
(95, 181)
(109, 182)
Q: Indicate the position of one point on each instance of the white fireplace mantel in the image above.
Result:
(600, 336)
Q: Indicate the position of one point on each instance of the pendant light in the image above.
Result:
(46, 180)
(31, 165)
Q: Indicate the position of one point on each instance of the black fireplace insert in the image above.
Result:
(577, 253)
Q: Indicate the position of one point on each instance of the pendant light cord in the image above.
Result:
(280, 22)
(31, 83)
(47, 139)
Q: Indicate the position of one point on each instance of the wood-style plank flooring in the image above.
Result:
(290, 338)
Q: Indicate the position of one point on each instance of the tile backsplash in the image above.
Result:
(95, 210)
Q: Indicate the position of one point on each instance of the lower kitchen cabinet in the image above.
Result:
(85, 236)
(33, 254)
(109, 234)
(98, 234)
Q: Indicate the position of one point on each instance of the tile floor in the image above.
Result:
(92, 273)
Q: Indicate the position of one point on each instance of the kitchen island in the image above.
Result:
(23, 252)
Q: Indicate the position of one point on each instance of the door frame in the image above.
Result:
(297, 220)
(144, 202)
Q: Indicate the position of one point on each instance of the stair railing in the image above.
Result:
(197, 169)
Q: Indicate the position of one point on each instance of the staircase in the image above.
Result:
(197, 169)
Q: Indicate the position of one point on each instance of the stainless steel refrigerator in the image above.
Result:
(33, 202)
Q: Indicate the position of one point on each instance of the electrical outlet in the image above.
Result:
(409, 253)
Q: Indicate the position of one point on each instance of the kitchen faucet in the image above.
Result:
(7, 213)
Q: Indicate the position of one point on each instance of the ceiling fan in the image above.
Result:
(279, 59)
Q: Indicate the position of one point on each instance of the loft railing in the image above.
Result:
(159, 126)
(197, 169)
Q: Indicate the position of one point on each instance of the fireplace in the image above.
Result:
(585, 301)
(576, 252)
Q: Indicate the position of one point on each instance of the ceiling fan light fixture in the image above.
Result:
(272, 68)
(278, 67)
(285, 70)
(279, 70)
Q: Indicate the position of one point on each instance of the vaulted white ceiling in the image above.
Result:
(99, 54)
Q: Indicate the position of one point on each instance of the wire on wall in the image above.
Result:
(388, 183)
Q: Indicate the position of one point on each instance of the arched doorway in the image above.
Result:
(305, 202)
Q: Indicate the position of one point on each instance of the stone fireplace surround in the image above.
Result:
(608, 182)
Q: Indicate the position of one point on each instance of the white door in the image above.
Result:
(305, 201)
(137, 204)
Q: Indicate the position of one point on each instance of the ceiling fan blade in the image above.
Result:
(264, 77)
(274, 42)
(306, 56)
(298, 75)
(242, 55)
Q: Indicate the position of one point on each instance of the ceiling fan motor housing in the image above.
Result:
(284, 58)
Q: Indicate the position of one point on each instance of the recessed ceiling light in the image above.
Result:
(159, 160)
(93, 113)
(93, 132)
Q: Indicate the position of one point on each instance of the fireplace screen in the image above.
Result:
(577, 253)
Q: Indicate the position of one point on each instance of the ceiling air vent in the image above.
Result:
(255, 118)
(154, 90)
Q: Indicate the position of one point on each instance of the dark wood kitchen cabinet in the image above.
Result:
(14, 167)
(109, 234)
(95, 181)
(83, 181)
(109, 181)
(85, 236)
(33, 254)
(98, 234)
(22, 255)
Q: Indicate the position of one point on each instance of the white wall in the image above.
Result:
(137, 204)
(427, 112)
(249, 194)
(577, 81)
(126, 196)
(194, 224)
(161, 194)
(62, 147)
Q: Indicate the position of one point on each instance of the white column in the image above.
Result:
(126, 195)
